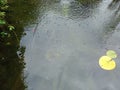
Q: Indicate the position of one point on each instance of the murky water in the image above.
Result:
(64, 46)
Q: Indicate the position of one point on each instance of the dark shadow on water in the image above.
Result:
(11, 67)
(83, 8)
(88, 2)
(114, 6)
(20, 13)
(113, 3)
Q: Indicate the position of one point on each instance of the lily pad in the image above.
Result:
(107, 63)
(111, 53)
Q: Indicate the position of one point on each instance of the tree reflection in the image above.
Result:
(12, 63)
(115, 5)
(88, 2)
(83, 8)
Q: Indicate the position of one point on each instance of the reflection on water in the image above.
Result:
(12, 55)
(11, 67)
(62, 50)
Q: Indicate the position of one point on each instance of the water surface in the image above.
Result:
(64, 45)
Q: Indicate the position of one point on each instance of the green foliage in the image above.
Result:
(5, 28)
(2, 22)
(2, 14)
(3, 2)
(4, 7)
(11, 28)
(3, 34)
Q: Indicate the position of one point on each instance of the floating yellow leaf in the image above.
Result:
(107, 63)
(111, 53)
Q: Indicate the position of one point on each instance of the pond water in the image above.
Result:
(65, 43)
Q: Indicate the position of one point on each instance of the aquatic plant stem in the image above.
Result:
(15, 36)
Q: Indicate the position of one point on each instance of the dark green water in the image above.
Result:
(60, 44)
(12, 55)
